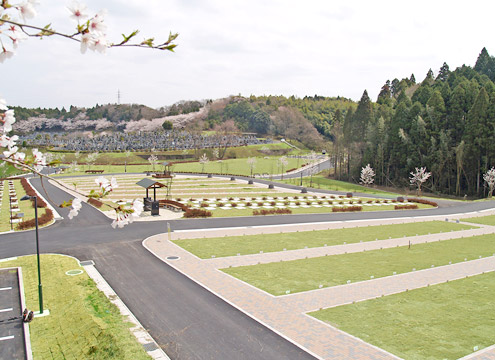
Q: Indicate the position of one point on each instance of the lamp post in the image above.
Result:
(40, 288)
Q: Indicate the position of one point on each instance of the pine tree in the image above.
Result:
(444, 72)
(412, 79)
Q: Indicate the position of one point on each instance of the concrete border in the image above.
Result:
(56, 215)
(142, 336)
(27, 336)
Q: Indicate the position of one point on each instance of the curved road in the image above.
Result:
(186, 320)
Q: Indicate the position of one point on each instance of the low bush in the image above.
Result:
(196, 213)
(406, 207)
(95, 202)
(423, 201)
(203, 204)
(272, 212)
(347, 208)
(42, 220)
(233, 205)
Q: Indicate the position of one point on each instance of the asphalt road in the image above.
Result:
(185, 319)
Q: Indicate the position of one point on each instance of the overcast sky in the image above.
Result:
(271, 47)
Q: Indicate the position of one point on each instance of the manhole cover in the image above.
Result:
(173, 258)
(74, 272)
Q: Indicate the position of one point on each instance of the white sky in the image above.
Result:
(271, 47)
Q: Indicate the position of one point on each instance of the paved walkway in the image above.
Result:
(287, 314)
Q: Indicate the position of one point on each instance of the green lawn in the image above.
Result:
(252, 244)
(322, 182)
(308, 274)
(445, 321)
(82, 324)
(484, 220)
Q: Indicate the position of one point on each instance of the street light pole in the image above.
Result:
(40, 287)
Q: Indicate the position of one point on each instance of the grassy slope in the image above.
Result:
(444, 321)
(231, 246)
(307, 274)
(484, 220)
(82, 324)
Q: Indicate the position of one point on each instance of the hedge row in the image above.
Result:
(406, 207)
(423, 201)
(347, 208)
(195, 213)
(272, 212)
(42, 220)
(30, 191)
(95, 202)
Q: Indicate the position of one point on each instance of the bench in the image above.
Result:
(94, 171)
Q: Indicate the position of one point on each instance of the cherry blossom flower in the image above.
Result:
(86, 41)
(96, 24)
(27, 10)
(8, 120)
(76, 206)
(39, 160)
(16, 35)
(78, 11)
(5, 54)
(100, 44)
(8, 142)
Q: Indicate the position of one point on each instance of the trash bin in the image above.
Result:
(155, 208)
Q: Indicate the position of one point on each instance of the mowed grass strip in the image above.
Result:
(252, 244)
(82, 324)
(445, 321)
(483, 220)
(308, 274)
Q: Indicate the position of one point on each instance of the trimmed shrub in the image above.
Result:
(42, 220)
(347, 209)
(272, 212)
(423, 201)
(95, 202)
(195, 213)
(406, 207)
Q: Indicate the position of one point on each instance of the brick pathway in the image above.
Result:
(287, 314)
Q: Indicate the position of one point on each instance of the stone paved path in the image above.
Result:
(287, 314)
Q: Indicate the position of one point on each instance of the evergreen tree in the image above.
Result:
(412, 79)
(444, 72)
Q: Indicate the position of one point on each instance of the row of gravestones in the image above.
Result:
(13, 203)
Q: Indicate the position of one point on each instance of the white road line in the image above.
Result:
(6, 338)
(6, 288)
(5, 310)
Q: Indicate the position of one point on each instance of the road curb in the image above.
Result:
(56, 215)
(143, 337)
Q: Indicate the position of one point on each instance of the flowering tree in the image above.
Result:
(367, 175)
(203, 160)
(90, 33)
(91, 159)
(489, 178)
(153, 159)
(418, 177)
(283, 163)
(252, 163)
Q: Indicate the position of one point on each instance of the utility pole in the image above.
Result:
(118, 96)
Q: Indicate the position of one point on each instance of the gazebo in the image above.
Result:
(150, 184)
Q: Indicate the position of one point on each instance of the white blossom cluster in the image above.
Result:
(89, 31)
(367, 175)
(419, 176)
(128, 214)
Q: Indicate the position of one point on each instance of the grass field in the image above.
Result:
(24, 206)
(445, 321)
(484, 220)
(321, 182)
(308, 274)
(252, 244)
(82, 324)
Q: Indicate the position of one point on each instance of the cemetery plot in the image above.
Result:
(224, 197)
(253, 244)
(445, 321)
(313, 273)
(11, 206)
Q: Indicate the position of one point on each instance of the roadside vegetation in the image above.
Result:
(83, 323)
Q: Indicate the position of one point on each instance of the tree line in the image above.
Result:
(445, 123)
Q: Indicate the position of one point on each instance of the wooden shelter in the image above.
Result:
(150, 184)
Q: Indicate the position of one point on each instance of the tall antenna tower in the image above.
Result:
(118, 97)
